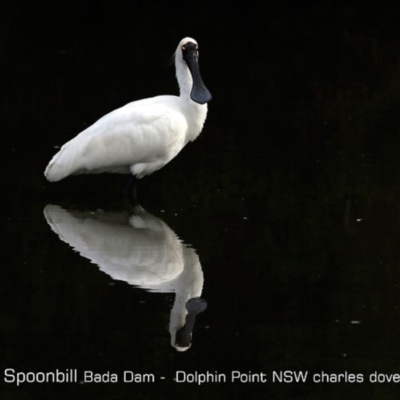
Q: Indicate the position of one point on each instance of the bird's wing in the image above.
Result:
(139, 256)
(142, 131)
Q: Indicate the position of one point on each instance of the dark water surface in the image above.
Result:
(283, 216)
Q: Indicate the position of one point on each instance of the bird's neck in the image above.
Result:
(184, 78)
(194, 113)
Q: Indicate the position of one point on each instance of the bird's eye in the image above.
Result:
(197, 47)
(183, 48)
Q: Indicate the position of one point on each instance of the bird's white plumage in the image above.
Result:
(140, 249)
(139, 138)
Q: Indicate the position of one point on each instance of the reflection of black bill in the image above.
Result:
(184, 335)
(199, 94)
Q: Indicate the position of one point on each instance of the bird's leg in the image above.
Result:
(129, 190)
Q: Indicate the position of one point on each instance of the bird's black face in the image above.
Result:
(190, 53)
(190, 50)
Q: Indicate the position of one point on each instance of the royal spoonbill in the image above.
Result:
(138, 248)
(144, 135)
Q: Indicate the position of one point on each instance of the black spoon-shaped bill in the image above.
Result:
(199, 94)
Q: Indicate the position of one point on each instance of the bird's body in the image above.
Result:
(144, 135)
(142, 250)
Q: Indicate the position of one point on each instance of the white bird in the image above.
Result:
(142, 250)
(144, 135)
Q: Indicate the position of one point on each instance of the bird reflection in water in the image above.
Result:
(140, 249)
